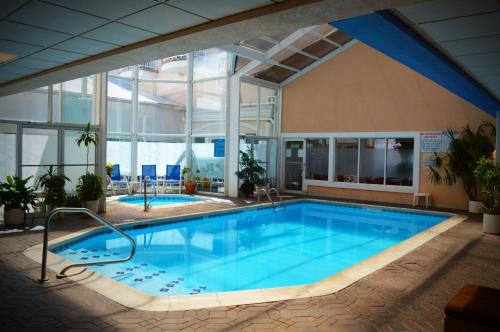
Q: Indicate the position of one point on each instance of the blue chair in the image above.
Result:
(173, 177)
(116, 180)
(150, 172)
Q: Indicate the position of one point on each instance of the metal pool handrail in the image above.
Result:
(147, 204)
(43, 276)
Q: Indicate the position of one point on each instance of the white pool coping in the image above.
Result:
(133, 298)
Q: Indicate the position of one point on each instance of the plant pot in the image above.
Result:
(190, 188)
(475, 206)
(491, 223)
(13, 217)
(92, 205)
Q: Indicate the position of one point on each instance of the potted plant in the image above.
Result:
(52, 185)
(16, 197)
(189, 184)
(488, 173)
(89, 187)
(89, 190)
(460, 162)
(109, 168)
(250, 172)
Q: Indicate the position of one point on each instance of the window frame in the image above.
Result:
(360, 135)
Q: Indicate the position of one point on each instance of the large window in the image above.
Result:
(8, 134)
(149, 113)
(346, 159)
(371, 160)
(400, 152)
(257, 110)
(377, 161)
(30, 105)
(160, 152)
(317, 159)
(72, 101)
(209, 107)
(162, 108)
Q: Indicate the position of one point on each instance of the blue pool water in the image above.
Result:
(160, 199)
(299, 243)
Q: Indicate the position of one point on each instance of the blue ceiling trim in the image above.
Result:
(389, 35)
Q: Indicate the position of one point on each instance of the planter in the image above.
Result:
(475, 206)
(13, 217)
(92, 205)
(190, 187)
(491, 223)
(259, 187)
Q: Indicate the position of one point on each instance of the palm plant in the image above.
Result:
(87, 137)
(52, 185)
(250, 172)
(461, 160)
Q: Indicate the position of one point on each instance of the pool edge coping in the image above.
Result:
(133, 298)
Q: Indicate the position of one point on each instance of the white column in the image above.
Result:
(101, 88)
(233, 140)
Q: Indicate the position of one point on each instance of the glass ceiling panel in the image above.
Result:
(305, 41)
(240, 62)
(320, 48)
(259, 44)
(339, 37)
(324, 29)
(275, 74)
(298, 61)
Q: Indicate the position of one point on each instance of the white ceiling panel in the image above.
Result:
(29, 62)
(18, 49)
(84, 46)
(31, 35)
(430, 11)
(473, 46)
(57, 56)
(215, 9)
(119, 34)
(18, 70)
(111, 9)
(476, 60)
(464, 27)
(55, 18)
(162, 19)
(9, 6)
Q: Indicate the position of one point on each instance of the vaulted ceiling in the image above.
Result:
(48, 41)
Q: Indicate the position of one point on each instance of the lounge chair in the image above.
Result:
(116, 180)
(150, 172)
(172, 177)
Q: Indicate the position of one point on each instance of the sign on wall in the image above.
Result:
(435, 141)
(430, 141)
(219, 147)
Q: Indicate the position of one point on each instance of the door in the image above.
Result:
(294, 165)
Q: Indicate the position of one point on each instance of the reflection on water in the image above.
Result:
(298, 244)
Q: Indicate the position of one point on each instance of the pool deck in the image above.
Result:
(408, 294)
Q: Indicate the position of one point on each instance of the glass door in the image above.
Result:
(294, 165)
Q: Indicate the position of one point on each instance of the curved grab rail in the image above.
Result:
(147, 204)
(94, 216)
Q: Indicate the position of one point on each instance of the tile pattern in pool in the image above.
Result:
(299, 243)
(161, 199)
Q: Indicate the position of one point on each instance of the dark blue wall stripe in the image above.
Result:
(389, 35)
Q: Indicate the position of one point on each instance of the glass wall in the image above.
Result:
(317, 152)
(399, 165)
(32, 105)
(72, 101)
(149, 112)
(8, 136)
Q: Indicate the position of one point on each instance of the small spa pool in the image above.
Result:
(297, 243)
(160, 199)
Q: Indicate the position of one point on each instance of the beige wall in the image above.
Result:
(362, 90)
